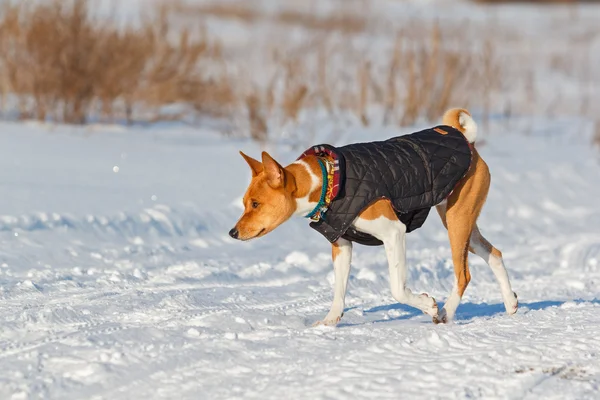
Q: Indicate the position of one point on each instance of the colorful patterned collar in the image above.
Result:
(329, 163)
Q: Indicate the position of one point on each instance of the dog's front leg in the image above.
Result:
(341, 252)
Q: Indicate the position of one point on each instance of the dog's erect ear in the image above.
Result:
(274, 171)
(255, 165)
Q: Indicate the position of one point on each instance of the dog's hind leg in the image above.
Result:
(493, 257)
(341, 252)
(462, 210)
(459, 231)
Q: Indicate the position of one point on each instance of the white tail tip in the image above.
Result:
(469, 126)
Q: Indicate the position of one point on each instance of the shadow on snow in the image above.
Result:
(465, 312)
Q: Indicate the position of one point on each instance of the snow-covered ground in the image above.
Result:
(118, 280)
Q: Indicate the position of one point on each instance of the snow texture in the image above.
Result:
(118, 280)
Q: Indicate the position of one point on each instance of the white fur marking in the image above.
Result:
(452, 302)
(499, 270)
(469, 125)
(303, 206)
(341, 268)
(393, 236)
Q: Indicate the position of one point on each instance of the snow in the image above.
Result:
(118, 279)
(125, 285)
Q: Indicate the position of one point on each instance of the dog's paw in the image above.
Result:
(441, 318)
(512, 305)
(330, 320)
(432, 310)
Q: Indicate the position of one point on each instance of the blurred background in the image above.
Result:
(271, 69)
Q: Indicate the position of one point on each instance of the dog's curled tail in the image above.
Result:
(461, 119)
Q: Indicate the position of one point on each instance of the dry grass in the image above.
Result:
(530, 1)
(596, 134)
(241, 11)
(62, 64)
(435, 77)
(420, 77)
(363, 78)
(58, 63)
(258, 124)
(423, 74)
(339, 21)
(343, 19)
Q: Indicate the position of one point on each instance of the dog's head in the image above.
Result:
(269, 200)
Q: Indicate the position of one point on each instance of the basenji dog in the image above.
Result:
(276, 193)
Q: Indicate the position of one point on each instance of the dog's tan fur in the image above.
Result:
(273, 188)
(277, 190)
(335, 251)
(380, 208)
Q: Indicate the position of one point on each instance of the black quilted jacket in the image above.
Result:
(415, 172)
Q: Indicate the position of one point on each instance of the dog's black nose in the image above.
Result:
(234, 233)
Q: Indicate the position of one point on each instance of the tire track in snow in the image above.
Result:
(174, 365)
(88, 329)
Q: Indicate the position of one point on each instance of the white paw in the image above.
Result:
(432, 310)
(512, 305)
(330, 320)
(441, 318)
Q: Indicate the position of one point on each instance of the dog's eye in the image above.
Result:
(255, 204)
